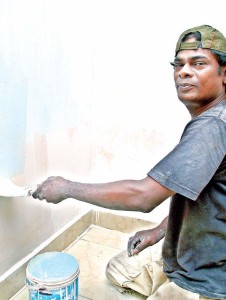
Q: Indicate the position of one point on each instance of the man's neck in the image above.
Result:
(195, 111)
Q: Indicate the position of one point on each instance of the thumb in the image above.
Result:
(140, 247)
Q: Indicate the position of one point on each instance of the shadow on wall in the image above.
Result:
(25, 222)
(13, 103)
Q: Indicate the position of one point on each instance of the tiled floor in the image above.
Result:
(93, 250)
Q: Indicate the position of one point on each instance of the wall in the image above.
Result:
(86, 92)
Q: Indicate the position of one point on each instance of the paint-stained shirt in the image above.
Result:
(194, 249)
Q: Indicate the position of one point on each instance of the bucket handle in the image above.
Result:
(39, 288)
(43, 292)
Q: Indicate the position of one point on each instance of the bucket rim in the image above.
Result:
(36, 273)
(54, 283)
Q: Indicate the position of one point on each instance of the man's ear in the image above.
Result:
(224, 74)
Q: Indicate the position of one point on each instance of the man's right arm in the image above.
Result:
(134, 195)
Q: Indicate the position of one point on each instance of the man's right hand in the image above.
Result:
(54, 190)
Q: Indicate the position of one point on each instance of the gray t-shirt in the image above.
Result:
(194, 249)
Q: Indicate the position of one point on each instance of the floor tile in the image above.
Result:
(107, 237)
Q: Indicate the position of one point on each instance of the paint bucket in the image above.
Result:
(52, 276)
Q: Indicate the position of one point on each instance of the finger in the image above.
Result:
(140, 247)
(129, 245)
(35, 192)
(132, 244)
(135, 252)
(33, 189)
(36, 195)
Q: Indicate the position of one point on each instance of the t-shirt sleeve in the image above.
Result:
(189, 167)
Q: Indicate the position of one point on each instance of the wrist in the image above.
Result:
(67, 190)
(71, 189)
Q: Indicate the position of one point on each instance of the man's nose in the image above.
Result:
(186, 71)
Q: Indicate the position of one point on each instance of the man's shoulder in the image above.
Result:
(217, 111)
(210, 121)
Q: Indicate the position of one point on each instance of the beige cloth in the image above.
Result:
(143, 273)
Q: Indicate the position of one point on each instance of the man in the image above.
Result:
(193, 174)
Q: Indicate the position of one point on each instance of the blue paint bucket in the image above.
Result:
(52, 276)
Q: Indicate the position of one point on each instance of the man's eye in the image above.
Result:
(177, 65)
(199, 63)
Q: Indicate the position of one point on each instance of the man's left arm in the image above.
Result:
(145, 238)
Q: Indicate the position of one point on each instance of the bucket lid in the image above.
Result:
(52, 267)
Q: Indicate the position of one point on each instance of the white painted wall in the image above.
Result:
(87, 92)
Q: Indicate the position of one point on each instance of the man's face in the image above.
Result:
(199, 80)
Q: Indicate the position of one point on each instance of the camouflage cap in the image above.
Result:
(211, 38)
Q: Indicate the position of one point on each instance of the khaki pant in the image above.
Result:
(143, 273)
